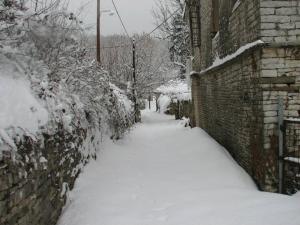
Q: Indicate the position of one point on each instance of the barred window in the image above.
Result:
(195, 25)
(215, 17)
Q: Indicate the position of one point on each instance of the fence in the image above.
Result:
(291, 156)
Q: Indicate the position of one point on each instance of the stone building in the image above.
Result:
(246, 55)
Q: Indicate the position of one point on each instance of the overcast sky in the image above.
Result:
(137, 15)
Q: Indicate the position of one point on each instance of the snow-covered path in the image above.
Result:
(165, 174)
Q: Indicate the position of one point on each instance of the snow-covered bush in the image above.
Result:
(173, 91)
(176, 89)
(175, 98)
(163, 103)
(43, 56)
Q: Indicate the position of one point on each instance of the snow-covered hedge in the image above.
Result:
(46, 79)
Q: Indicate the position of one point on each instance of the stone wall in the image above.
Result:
(205, 33)
(228, 106)
(280, 21)
(237, 104)
(238, 26)
(33, 186)
(280, 77)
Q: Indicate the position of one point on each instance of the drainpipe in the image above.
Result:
(280, 143)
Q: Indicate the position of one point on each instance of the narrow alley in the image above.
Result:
(165, 173)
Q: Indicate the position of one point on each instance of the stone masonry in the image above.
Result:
(236, 102)
(34, 186)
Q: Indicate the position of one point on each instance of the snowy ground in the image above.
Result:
(165, 174)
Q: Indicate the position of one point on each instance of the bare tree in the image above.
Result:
(169, 18)
(152, 61)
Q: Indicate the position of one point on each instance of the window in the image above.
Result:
(195, 24)
(215, 17)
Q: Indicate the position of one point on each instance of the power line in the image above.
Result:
(156, 28)
(117, 46)
(111, 47)
(120, 18)
(144, 36)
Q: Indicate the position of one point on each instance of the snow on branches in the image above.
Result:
(43, 55)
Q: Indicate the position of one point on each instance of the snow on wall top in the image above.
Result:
(241, 50)
(19, 107)
(178, 89)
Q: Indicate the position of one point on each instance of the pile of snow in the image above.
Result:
(176, 89)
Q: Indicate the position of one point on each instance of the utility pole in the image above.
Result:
(98, 32)
(136, 112)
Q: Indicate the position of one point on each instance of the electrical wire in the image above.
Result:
(157, 27)
(144, 36)
(120, 18)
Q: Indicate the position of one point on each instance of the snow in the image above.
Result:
(236, 5)
(292, 119)
(163, 101)
(122, 98)
(163, 173)
(293, 159)
(19, 107)
(240, 51)
(43, 160)
(48, 79)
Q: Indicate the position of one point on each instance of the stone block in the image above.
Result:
(267, 11)
(286, 11)
(277, 4)
(268, 26)
(275, 19)
(287, 26)
(268, 73)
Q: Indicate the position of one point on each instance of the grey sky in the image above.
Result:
(137, 15)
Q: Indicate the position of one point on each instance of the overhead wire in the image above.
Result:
(157, 27)
(144, 36)
(120, 18)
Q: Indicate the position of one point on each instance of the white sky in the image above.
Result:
(136, 14)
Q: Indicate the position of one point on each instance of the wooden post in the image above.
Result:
(149, 99)
(98, 32)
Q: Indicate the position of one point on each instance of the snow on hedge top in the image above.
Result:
(178, 89)
(19, 107)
